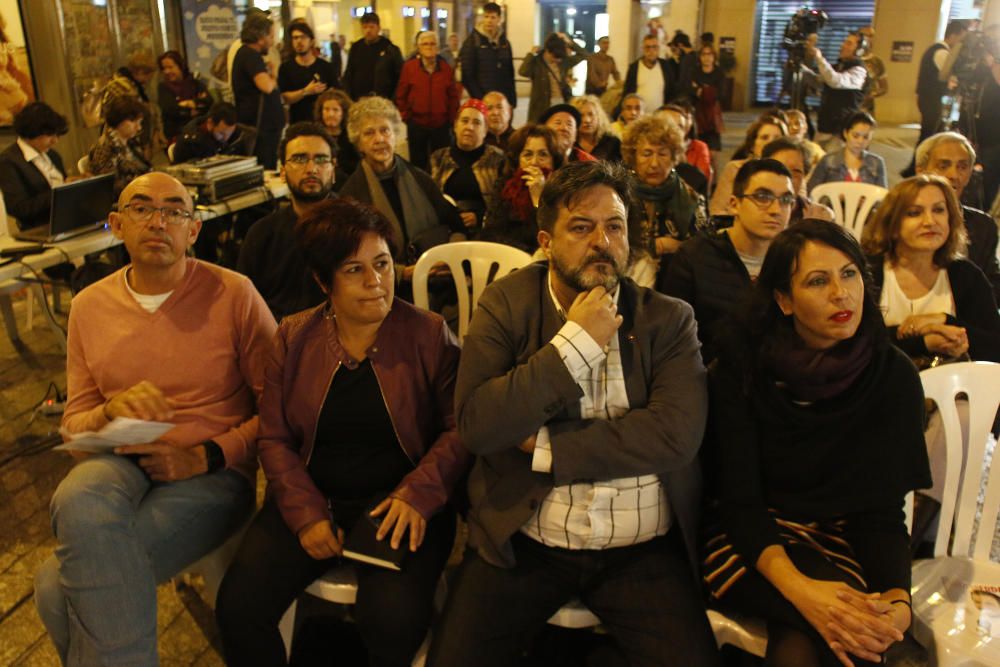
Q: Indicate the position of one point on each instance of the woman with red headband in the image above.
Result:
(467, 170)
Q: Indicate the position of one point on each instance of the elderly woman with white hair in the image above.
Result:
(420, 215)
(594, 134)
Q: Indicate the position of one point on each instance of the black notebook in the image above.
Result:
(362, 546)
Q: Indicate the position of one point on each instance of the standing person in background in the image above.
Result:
(375, 62)
(601, 68)
(180, 95)
(877, 84)
(305, 76)
(844, 82)
(498, 115)
(705, 89)
(930, 87)
(486, 58)
(258, 100)
(547, 68)
(450, 52)
(650, 76)
(684, 60)
(427, 97)
(337, 55)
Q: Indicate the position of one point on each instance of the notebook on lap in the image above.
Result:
(77, 208)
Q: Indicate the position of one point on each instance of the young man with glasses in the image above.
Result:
(170, 339)
(714, 273)
(269, 255)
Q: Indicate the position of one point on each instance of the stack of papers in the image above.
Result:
(119, 431)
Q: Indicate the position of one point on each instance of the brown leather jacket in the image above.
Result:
(415, 358)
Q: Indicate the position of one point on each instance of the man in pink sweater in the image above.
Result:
(167, 338)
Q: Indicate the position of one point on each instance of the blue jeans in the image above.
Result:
(119, 535)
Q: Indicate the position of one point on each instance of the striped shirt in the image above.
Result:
(595, 514)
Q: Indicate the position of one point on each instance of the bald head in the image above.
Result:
(168, 187)
(498, 112)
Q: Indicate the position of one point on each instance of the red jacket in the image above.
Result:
(415, 358)
(429, 100)
(699, 155)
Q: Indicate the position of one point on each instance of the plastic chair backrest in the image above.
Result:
(170, 152)
(83, 165)
(481, 257)
(851, 202)
(980, 382)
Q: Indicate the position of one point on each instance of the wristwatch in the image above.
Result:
(214, 456)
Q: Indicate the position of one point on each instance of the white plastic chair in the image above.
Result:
(170, 152)
(481, 257)
(851, 202)
(339, 585)
(83, 165)
(944, 619)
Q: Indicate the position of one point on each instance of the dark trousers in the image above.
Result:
(425, 140)
(644, 595)
(791, 641)
(266, 147)
(393, 609)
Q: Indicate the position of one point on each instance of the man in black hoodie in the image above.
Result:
(374, 64)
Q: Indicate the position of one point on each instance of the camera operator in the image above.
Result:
(843, 85)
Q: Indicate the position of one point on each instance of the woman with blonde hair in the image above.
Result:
(934, 300)
(760, 133)
(594, 134)
(671, 210)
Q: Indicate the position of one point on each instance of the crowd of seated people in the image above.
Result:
(786, 309)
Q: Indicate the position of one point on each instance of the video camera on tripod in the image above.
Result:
(795, 41)
(962, 105)
(803, 23)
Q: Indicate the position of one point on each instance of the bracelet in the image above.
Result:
(903, 601)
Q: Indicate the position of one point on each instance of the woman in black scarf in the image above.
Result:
(815, 437)
(672, 210)
(180, 95)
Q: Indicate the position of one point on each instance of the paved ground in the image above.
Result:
(28, 478)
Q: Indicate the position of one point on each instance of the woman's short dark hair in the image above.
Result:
(122, 108)
(332, 231)
(858, 118)
(520, 137)
(178, 60)
(765, 331)
(37, 119)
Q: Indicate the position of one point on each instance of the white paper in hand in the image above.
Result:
(119, 431)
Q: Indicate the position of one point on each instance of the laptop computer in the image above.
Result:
(77, 208)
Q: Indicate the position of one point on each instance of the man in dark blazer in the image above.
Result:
(584, 397)
(30, 167)
(654, 93)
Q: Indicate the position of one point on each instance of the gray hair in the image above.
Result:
(928, 145)
(372, 107)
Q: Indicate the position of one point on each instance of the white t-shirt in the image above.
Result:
(649, 85)
(896, 306)
(149, 302)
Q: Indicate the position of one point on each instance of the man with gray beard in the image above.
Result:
(584, 397)
(269, 255)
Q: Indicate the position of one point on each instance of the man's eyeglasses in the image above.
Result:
(301, 159)
(764, 198)
(169, 215)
